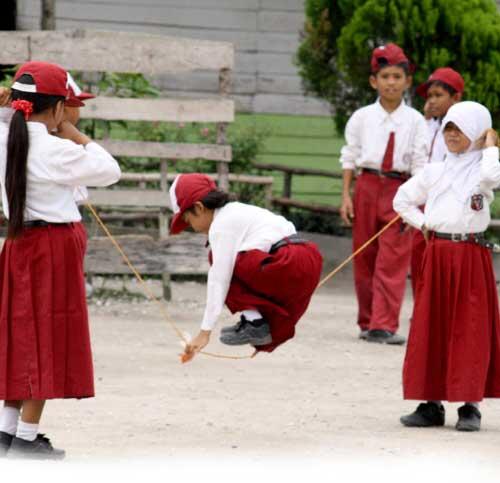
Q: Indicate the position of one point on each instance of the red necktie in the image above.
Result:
(389, 154)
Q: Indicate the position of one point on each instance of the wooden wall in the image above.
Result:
(265, 34)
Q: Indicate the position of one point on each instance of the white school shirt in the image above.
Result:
(436, 139)
(367, 133)
(56, 167)
(80, 193)
(444, 212)
(237, 227)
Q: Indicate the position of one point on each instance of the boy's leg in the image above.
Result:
(392, 264)
(364, 227)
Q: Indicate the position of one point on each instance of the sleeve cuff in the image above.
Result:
(348, 165)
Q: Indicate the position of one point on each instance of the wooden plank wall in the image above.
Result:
(265, 34)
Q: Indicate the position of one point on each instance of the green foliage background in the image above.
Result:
(339, 35)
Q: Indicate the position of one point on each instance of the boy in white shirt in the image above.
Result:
(453, 351)
(259, 266)
(386, 143)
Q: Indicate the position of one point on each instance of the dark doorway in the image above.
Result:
(8, 17)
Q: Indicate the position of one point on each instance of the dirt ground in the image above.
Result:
(325, 395)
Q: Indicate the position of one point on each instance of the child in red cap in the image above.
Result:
(443, 89)
(260, 267)
(386, 143)
(45, 348)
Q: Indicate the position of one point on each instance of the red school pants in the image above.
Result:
(380, 270)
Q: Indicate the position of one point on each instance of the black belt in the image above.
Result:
(477, 238)
(43, 223)
(289, 240)
(387, 174)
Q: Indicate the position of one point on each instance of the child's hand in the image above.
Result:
(487, 140)
(427, 113)
(195, 346)
(347, 210)
(491, 138)
(66, 130)
(4, 96)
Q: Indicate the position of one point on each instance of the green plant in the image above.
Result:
(463, 34)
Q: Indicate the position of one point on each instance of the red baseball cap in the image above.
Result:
(185, 191)
(446, 75)
(387, 55)
(76, 95)
(49, 79)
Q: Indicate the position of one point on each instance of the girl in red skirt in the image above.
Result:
(44, 335)
(453, 351)
(260, 267)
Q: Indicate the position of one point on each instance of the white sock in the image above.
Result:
(475, 404)
(27, 431)
(9, 417)
(252, 315)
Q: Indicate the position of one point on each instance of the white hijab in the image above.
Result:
(462, 171)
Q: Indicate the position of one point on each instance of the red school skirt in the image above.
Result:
(279, 285)
(45, 348)
(453, 351)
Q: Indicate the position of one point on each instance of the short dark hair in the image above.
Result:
(443, 85)
(382, 63)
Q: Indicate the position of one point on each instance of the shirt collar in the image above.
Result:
(37, 127)
(397, 116)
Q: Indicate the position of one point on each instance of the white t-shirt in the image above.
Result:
(56, 167)
(445, 211)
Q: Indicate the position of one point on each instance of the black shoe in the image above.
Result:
(469, 418)
(255, 332)
(426, 415)
(39, 449)
(5, 441)
(385, 337)
(363, 334)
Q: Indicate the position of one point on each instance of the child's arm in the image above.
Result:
(490, 165)
(409, 197)
(348, 156)
(224, 253)
(80, 162)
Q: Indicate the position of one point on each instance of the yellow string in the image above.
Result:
(161, 304)
(149, 293)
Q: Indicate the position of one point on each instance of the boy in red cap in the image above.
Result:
(260, 267)
(386, 143)
(443, 89)
(45, 350)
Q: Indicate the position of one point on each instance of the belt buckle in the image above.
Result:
(456, 237)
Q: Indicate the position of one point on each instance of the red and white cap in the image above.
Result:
(76, 95)
(185, 191)
(387, 55)
(446, 75)
(50, 79)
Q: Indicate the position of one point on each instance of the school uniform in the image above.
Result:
(437, 155)
(453, 350)
(45, 348)
(257, 261)
(385, 149)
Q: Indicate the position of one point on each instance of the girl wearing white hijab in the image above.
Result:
(453, 351)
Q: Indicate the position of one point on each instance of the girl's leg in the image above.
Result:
(9, 417)
(27, 428)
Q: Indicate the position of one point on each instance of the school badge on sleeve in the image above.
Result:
(477, 202)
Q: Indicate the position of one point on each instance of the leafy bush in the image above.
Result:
(334, 56)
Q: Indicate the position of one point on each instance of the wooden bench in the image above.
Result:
(97, 51)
